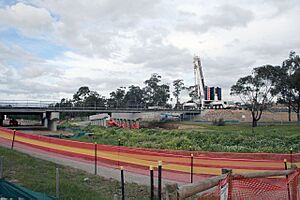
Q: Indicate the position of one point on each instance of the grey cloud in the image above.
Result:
(282, 7)
(233, 43)
(160, 56)
(270, 49)
(186, 14)
(225, 71)
(96, 27)
(28, 19)
(38, 71)
(29, 65)
(228, 16)
(31, 76)
(6, 74)
(225, 17)
(16, 52)
(103, 84)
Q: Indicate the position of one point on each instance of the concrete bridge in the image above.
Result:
(49, 113)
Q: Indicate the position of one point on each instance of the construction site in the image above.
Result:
(149, 100)
(204, 150)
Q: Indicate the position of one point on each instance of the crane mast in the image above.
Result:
(199, 81)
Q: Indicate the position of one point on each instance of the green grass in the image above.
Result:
(229, 138)
(39, 175)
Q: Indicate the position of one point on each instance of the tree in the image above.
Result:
(80, 95)
(192, 92)
(284, 86)
(134, 97)
(162, 95)
(256, 90)
(295, 83)
(178, 87)
(94, 100)
(116, 99)
(154, 93)
(151, 88)
(65, 103)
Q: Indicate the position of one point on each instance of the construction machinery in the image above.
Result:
(203, 95)
(197, 101)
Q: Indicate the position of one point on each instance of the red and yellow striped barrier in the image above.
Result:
(176, 164)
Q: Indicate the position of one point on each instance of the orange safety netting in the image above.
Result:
(242, 188)
(176, 164)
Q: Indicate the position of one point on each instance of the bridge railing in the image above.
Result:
(54, 105)
(25, 104)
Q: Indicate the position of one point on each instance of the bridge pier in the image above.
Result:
(52, 125)
(50, 119)
(44, 120)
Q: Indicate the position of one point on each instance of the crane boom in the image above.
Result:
(199, 80)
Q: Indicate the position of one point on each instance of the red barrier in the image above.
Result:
(176, 164)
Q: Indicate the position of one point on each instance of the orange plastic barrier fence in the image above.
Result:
(278, 188)
(176, 164)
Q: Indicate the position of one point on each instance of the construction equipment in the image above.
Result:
(198, 99)
(203, 96)
(199, 80)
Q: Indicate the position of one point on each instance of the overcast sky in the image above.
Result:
(49, 48)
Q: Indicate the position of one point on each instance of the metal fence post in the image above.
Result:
(288, 186)
(192, 167)
(122, 183)
(151, 183)
(13, 140)
(119, 144)
(57, 183)
(95, 156)
(159, 180)
(291, 156)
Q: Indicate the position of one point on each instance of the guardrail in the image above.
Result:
(26, 103)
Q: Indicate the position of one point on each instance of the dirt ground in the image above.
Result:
(244, 116)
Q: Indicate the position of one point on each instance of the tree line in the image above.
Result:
(270, 83)
(154, 93)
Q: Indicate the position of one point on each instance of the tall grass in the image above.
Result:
(230, 138)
